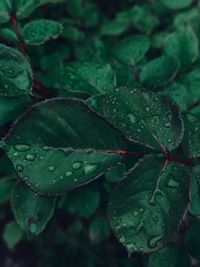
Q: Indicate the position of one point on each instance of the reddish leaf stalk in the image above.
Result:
(36, 84)
(142, 154)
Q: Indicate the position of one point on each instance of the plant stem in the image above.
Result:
(36, 83)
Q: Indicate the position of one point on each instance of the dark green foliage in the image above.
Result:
(100, 125)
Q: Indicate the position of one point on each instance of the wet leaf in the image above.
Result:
(146, 207)
(15, 73)
(159, 71)
(142, 116)
(39, 31)
(132, 49)
(183, 45)
(61, 152)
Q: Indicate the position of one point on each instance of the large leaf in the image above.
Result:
(31, 211)
(146, 207)
(90, 78)
(39, 31)
(144, 117)
(22, 8)
(132, 49)
(183, 45)
(61, 152)
(15, 73)
(159, 71)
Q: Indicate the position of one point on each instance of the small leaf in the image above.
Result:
(143, 117)
(12, 234)
(176, 4)
(66, 148)
(146, 207)
(15, 73)
(132, 49)
(180, 94)
(160, 71)
(192, 240)
(22, 8)
(31, 211)
(183, 45)
(39, 31)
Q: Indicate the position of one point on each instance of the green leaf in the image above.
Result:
(89, 78)
(176, 4)
(160, 71)
(22, 8)
(146, 207)
(39, 31)
(60, 153)
(12, 234)
(132, 49)
(183, 45)
(31, 211)
(169, 257)
(194, 207)
(15, 73)
(180, 94)
(143, 117)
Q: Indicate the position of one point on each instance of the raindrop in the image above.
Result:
(132, 118)
(68, 173)
(89, 168)
(26, 178)
(153, 241)
(30, 157)
(167, 124)
(51, 168)
(76, 165)
(22, 147)
(19, 168)
(172, 183)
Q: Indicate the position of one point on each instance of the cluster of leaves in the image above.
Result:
(108, 90)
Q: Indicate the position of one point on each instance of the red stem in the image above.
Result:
(16, 29)
(36, 83)
(142, 154)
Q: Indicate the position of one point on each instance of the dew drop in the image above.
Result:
(22, 147)
(172, 183)
(68, 173)
(132, 118)
(167, 124)
(19, 168)
(89, 168)
(153, 241)
(76, 165)
(26, 178)
(30, 157)
(51, 168)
